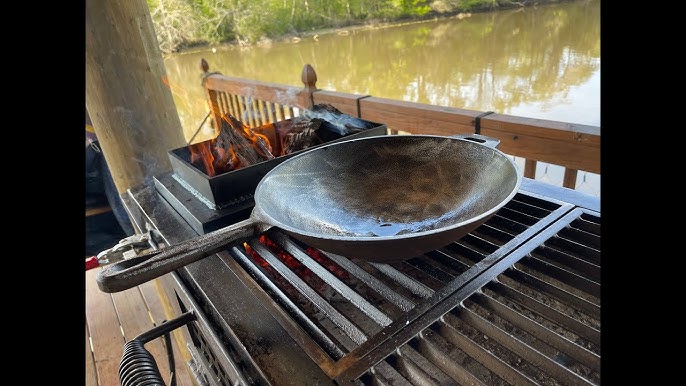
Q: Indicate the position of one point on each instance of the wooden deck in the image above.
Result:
(114, 319)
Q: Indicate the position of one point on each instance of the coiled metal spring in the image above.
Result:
(138, 367)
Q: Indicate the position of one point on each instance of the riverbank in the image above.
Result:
(439, 10)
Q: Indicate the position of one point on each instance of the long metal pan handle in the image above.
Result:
(132, 272)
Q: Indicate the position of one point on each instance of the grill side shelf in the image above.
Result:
(531, 318)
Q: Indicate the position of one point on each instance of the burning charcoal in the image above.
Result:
(337, 122)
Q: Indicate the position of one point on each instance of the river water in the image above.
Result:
(538, 62)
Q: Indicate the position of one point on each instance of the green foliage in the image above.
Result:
(180, 23)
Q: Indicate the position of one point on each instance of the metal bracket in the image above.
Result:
(130, 247)
(477, 121)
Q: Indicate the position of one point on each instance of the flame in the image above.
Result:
(217, 159)
(201, 152)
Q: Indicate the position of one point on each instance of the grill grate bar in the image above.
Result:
(447, 262)
(589, 254)
(516, 346)
(432, 349)
(384, 374)
(555, 292)
(348, 293)
(539, 331)
(530, 209)
(414, 286)
(563, 259)
(475, 351)
(562, 275)
(431, 270)
(484, 247)
(588, 223)
(522, 218)
(354, 333)
(466, 252)
(417, 369)
(493, 235)
(574, 325)
(506, 225)
(585, 238)
(321, 338)
(372, 282)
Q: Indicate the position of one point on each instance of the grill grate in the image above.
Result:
(536, 322)
(342, 304)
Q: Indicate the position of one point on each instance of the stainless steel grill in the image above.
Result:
(517, 301)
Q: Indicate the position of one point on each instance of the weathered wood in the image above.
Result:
(346, 103)
(572, 146)
(564, 153)
(151, 296)
(180, 336)
(112, 319)
(530, 168)
(134, 320)
(277, 93)
(98, 210)
(103, 326)
(91, 374)
(541, 128)
(215, 109)
(127, 93)
(418, 118)
(569, 179)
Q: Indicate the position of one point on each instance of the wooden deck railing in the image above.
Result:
(572, 146)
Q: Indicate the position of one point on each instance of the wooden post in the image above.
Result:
(309, 78)
(127, 92)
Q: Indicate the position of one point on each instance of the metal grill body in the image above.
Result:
(517, 301)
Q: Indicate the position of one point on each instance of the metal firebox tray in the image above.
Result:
(237, 186)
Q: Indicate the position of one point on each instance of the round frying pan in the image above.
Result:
(383, 199)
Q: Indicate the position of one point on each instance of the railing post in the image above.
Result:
(309, 78)
(569, 179)
(530, 168)
(212, 97)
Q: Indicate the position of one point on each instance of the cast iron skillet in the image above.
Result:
(382, 199)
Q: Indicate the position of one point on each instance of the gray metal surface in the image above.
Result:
(257, 316)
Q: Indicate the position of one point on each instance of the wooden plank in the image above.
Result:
(418, 118)
(98, 210)
(135, 319)
(569, 179)
(91, 375)
(422, 111)
(346, 103)
(278, 93)
(103, 327)
(542, 128)
(564, 153)
(212, 100)
(530, 168)
(414, 124)
(151, 294)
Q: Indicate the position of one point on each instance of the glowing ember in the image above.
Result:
(290, 261)
(327, 263)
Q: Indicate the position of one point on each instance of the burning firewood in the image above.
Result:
(302, 135)
(236, 146)
(322, 123)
